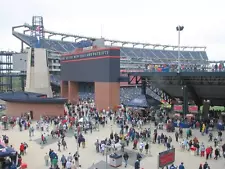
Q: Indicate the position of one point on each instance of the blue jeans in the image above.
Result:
(125, 162)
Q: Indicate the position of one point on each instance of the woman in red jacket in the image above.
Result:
(21, 149)
(208, 152)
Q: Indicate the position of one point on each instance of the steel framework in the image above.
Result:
(37, 27)
(5, 70)
(137, 80)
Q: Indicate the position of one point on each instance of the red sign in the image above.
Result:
(178, 108)
(166, 158)
(193, 109)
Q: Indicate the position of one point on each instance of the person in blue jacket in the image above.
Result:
(181, 166)
(13, 166)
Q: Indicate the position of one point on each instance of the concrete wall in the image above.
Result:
(101, 70)
(38, 79)
(16, 109)
(102, 65)
(107, 95)
(19, 61)
(98, 65)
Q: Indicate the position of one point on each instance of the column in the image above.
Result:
(143, 86)
(185, 99)
(107, 95)
(73, 90)
(64, 89)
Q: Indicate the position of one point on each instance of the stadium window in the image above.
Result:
(32, 58)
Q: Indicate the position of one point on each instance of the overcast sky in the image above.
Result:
(152, 21)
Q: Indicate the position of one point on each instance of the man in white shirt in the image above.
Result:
(69, 158)
(141, 146)
(68, 165)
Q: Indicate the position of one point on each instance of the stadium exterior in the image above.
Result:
(134, 55)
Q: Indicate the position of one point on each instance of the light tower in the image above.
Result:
(37, 30)
(179, 29)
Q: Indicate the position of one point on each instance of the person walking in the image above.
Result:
(126, 157)
(46, 158)
(137, 164)
(181, 166)
(146, 148)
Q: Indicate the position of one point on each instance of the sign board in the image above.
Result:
(191, 109)
(178, 108)
(166, 158)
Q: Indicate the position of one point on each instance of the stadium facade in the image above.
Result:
(134, 56)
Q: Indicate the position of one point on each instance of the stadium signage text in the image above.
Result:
(86, 55)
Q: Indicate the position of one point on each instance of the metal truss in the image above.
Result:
(162, 94)
(134, 80)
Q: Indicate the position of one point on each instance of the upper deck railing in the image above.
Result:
(187, 68)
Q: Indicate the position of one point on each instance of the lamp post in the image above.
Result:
(106, 156)
(179, 29)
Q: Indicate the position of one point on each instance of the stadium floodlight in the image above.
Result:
(179, 29)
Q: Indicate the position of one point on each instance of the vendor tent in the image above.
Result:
(6, 151)
(143, 101)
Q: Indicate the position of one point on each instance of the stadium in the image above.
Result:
(134, 56)
(73, 88)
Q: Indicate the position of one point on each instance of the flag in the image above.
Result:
(38, 28)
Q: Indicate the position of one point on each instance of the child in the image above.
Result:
(202, 150)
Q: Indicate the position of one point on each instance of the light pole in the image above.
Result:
(179, 29)
(106, 155)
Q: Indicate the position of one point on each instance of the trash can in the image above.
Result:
(115, 160)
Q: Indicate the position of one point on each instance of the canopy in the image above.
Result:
(6, 151)
(143, 101)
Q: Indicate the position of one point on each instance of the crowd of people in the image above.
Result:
(134, 130)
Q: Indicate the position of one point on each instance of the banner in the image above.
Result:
(193, 109)
(178, 108)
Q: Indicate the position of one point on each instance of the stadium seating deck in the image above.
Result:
(53, 45)
(155, 56)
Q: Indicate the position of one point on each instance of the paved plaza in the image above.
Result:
(90, 159)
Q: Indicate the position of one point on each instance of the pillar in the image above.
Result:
(38, 80)
(185, 99)
(64, 89)
(107, 95)
(73, 90)
(143, 86)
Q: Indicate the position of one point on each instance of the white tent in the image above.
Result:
(82, 119)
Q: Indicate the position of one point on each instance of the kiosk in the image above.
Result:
(115, 160)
